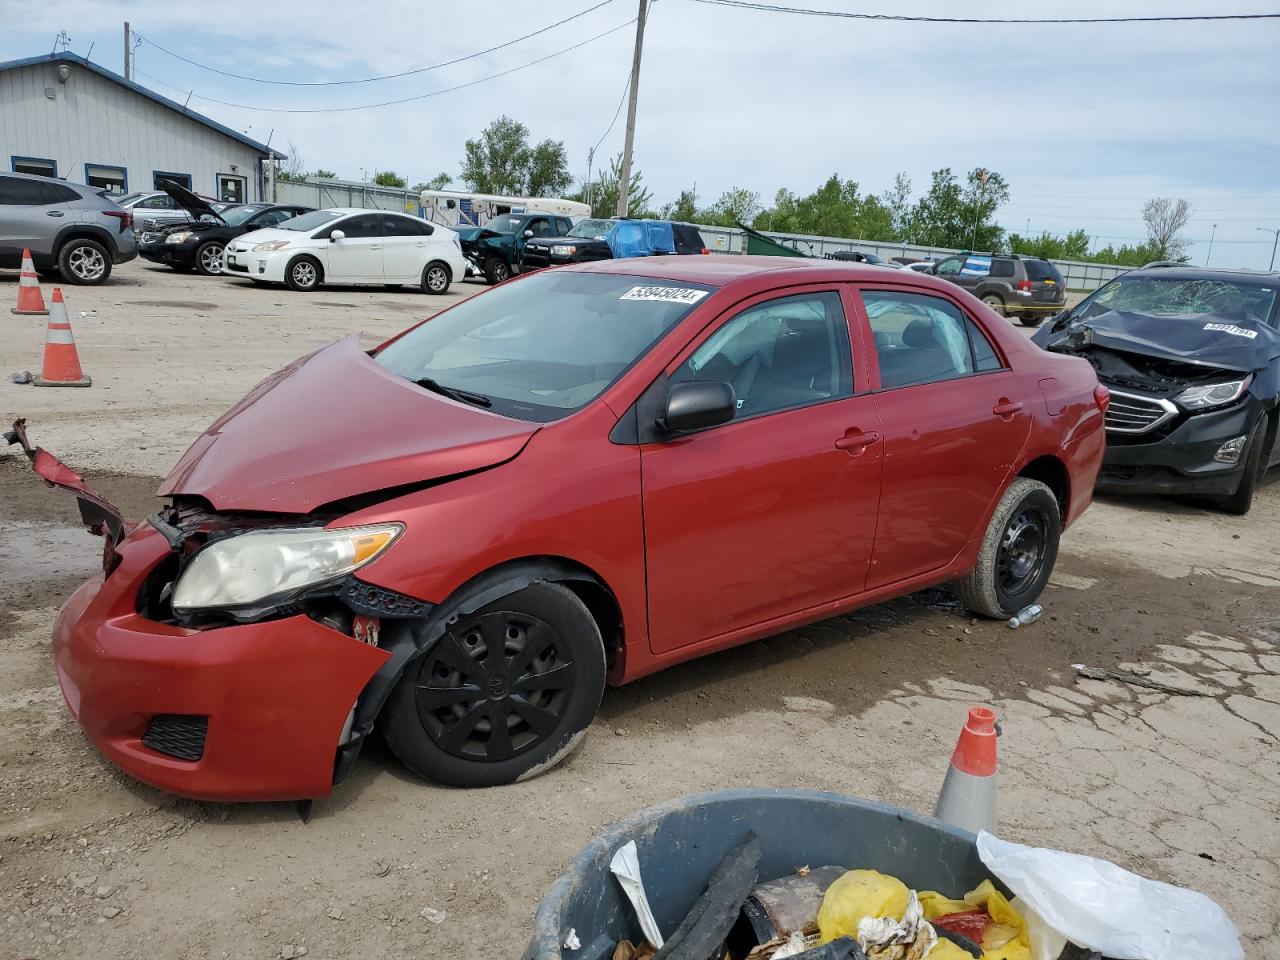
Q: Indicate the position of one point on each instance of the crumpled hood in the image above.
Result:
(332, 425)
(472, 234)
(1206, 339)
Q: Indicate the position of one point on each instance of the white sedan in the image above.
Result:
(349, 246)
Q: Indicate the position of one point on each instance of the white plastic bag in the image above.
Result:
(1097, 905)
(626, 867)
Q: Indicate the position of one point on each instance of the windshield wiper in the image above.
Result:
(453, 393)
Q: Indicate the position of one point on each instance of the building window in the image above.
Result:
(112, 179)
(181, 179)
(37, 165)
(231, 189)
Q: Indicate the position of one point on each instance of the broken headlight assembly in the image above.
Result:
(261, 565)
(1208, 395)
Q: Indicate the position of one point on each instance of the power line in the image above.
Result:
(616, 113)
(846, 15)
(421, 96)
(1143, 199)
(389, 76)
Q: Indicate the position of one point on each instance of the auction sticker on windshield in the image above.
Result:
(1230, 328)
(664, 294)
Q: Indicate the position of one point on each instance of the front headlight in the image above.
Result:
(564, 250)
(270, 245)
(1212, 394)
(262, 564)
(182, 236)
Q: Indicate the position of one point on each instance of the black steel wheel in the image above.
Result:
(506, 691)
(1018, 551)
(496, 270)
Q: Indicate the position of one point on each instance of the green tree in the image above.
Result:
(684, 208)
(438, 182)
(502, 161)
(897, 200)
(835, 209)
(323, 175)
(736, 205)
(1072, 246)
(1165, 219)
(956, 215)
(389, 178)
(604, 192)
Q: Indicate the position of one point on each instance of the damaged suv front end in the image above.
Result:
(1192, 360)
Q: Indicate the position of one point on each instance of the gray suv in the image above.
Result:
(69, 228)
(1028, 288)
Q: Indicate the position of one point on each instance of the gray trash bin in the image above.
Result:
(681, 843)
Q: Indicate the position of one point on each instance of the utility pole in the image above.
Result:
(1273, 245)
(128, 51)
(983, 176)
(624, 180)
(1213, 233)
(588, 191)
(271, 169)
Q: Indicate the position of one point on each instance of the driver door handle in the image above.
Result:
(54, 213)
(1006, 408)
(855, 440)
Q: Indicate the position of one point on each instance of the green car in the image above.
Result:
(494, 249)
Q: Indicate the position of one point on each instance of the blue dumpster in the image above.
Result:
(682, 842)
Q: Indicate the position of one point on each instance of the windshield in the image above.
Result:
(240, 214)
(310, 221)
(1169, 296)
(505, 224)
(546, 345)
(590, 229)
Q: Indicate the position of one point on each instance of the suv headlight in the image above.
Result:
(564, 250)
(269, 245)
(1212, 394)
(182, 236)
(248, 568)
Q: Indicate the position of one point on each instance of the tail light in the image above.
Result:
(704, 251)
(1024, 285)
(1102, 397)
(124, 216)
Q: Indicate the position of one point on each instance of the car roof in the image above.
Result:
(1188, 272)
(723, 269)
(344, 211)
(44, 179)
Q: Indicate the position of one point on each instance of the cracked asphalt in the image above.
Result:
(1184, 789)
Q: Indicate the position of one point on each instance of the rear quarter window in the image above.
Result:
(1002, 268)
(1042, 270)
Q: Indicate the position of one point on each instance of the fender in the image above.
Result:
(90, 230)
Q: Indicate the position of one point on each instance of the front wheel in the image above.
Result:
(507, 692)
(303, 274)
(435, 279)
(209, 258)
(1032, 321)
(496, 270)
(1241, 502)
(1017, 554)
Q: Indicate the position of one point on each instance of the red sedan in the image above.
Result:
(576, 478)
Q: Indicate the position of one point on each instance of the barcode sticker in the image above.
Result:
(664, 294)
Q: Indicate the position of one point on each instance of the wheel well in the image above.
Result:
(82, 233)
(306, 256)
(439, 263)
(1051, 472)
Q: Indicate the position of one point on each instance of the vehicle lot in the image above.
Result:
(1178, 788)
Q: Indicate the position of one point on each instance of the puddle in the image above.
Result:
(36, 552)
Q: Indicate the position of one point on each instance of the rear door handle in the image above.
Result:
(54, 213)
(1007, 408)
(855, 440)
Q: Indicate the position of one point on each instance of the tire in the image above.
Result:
(496, 270)
(303, 274)
(1240, 502)
(1018, 552)
(1033, 321)
(995, 302)
(442, 734)
(436, 278)
(209, 258)
(84, 262)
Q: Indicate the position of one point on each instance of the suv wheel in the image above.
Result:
(1018, 552)
(507, 692)
(994, 301)
(496, 270)
(1241, 501)
(1031, 319)
(84, 262)
(209, 258)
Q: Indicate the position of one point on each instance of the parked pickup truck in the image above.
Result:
(494, 249)
(612, 239)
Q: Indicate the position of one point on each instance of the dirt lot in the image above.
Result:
(91, 864)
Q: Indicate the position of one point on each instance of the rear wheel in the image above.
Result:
(994, 301)
(209, 258)
(507, 691)
(1241, 501)
(1018, 552)
(303, 274)
(84, 262)
(435, 279)
(1031, 320)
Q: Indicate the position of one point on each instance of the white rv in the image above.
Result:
(459, 210)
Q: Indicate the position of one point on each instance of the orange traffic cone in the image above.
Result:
(61, 362)
(30, 302)
(968, 796)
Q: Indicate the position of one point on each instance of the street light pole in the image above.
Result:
(624, 178)
(1273, 245)
(1213, 233)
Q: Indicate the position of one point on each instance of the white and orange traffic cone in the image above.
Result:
(968, 796)
(61, 361)
(30, 301)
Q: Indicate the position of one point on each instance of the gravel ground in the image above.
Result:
(1178, 788)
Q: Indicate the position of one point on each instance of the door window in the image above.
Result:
(112, 179)
(29, 193)
(162, 202)
(363, 225)
(404, 227)
(231, 189)
(540, 227)
(949, 268)
(1001, 267)
(779, 354)
(924, 339)
(976, 267)
(36, 165)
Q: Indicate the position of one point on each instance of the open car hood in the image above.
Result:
(334, 425)
(1205, 339)
(189, 202)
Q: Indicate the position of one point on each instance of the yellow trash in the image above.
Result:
(856, 895)
(937, 905)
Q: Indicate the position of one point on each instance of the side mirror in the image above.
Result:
(336, 235)
(696, 404)
(527, 234)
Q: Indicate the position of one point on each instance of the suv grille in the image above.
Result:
(177, 735)
(1135, 413)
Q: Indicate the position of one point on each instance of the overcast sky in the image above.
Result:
(1085, 122)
